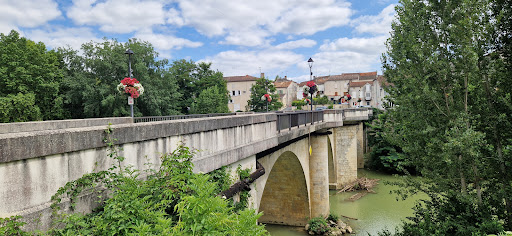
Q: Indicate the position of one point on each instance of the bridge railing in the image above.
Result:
(177, 117)
(287, 120)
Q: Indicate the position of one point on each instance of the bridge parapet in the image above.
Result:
(18, 127)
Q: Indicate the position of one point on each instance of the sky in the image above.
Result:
(239, 37)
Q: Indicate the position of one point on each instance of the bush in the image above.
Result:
(333, 217)
(318, 225)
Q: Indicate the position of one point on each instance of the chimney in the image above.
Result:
(262, 75)
(285, 77)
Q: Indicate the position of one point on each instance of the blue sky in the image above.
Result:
(239, 37)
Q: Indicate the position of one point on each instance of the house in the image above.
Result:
(286, 89)
(365, 89)
(239, 88)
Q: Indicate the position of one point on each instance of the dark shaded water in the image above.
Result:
(374, 212)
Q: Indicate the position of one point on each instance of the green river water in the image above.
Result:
(374, 212)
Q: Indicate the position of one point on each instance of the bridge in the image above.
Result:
(36, 158)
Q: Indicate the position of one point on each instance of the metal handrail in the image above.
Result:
(177, 117)
(287, 120)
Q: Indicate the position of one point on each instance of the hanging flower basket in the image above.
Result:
(307, 101)
(266, 97)
(131, 87)
(312, 87)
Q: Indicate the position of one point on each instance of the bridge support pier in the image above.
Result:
(319, 176)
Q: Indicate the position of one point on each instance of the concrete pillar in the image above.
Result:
(319, 176)
(345, 154)
(360, 145)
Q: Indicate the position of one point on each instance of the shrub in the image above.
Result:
(318, 225)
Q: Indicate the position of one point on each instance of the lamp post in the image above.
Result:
(310, 62)
(130, 53)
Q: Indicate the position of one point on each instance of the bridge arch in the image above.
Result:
(285, 197)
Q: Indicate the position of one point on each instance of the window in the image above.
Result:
(244, 91)
(233, 92)
(367, 103)
(230, 101)
(239, 92)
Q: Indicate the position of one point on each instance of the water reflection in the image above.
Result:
(374, 212)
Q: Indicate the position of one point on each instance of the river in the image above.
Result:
(374, 212)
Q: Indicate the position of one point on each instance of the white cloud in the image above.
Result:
(248, 37)
(166, 42)
(118, 16)
(310, 17)
(233, 63)
(302, 43)
(374, 45)
(379, 24)
(26, 13)
(63, 37)
(238, 20)
(336, 62)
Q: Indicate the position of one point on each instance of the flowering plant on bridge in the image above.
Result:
(130, 86)
(312, 86)
(266, 97)
(307, 101)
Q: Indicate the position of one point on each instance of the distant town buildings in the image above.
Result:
(353, 89)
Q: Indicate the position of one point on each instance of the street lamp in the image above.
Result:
(310, 62)
(130, 53)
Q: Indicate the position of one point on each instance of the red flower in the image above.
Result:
(310, 83)
(129, 81)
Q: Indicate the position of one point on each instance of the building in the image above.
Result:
(365, 89)
(286, 89)
(239, 88)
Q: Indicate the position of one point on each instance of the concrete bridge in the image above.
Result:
(36, 158)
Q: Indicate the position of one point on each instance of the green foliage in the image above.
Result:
(298, 103)
(243, 203)
(333, 217)
(30, 79)
(210, 100)
(452, 91)
(384, 156)
(19, 108)
(318, 226)
(260, 88)
(452, 214)
(221, 177)
(203, 214)
(192, 79)
(321, 100)
(331, 106)
(91, 78)
(12, 226)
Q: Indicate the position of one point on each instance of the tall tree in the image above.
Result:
(30, 78)
(210, 100)
(193, 78)
(447, 81)
(261, 87)
(92, 78)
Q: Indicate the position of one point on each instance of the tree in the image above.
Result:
(193, 78)
(210, 100)
(30, 78)
(448, 81)
(92, 78)
(261, 87)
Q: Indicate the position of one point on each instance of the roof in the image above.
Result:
(240, 78)
(359, 83)
(383, 82)
(283, 84)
